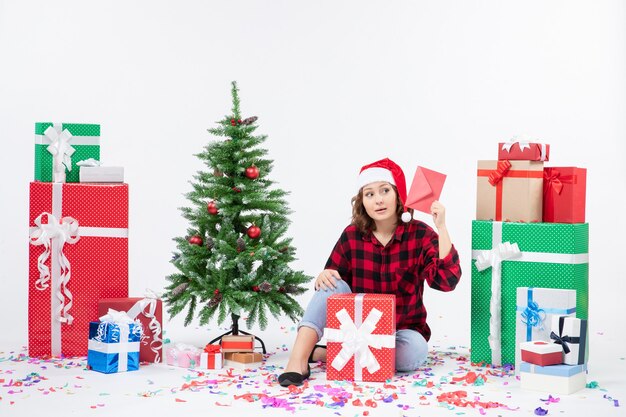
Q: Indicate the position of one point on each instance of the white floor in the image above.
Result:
(64, 387)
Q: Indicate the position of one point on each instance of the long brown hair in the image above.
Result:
(362, 220)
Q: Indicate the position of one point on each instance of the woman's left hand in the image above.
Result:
(439, 214)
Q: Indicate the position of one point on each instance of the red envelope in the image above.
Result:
(425, 188)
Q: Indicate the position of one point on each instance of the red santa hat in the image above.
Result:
(389, 171)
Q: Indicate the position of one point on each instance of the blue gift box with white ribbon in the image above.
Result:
(114, 347)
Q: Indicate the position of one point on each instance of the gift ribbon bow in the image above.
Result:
(500, 172)
(357, 340)
(533, 316)
(493, 257)
(554, 181)
(60, 149)
(89, 163)
(564, 340)
(209, 348)
(58, 233)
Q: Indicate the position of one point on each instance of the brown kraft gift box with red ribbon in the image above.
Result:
(564, 195)
(78, 255)
(510, 191)
(149, 311)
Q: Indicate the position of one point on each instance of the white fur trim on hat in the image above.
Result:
(371, 175)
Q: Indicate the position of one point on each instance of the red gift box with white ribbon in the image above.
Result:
(78, 255)
(360, 333)
(149, 311)
(524, 151)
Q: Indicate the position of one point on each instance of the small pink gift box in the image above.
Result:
(182, 355)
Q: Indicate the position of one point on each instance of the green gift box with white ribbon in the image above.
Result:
(59, 146)
(506, 256)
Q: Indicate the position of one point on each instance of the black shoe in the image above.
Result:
(313, 351)
(294, 378)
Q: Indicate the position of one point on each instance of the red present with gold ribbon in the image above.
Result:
(238, 343)
(78, 255)
(361, 341)
(564, 194)
(510, 191)
(523, 151)
(149, 311)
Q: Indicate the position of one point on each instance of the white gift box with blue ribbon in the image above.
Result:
(535, 309)
(114, 343)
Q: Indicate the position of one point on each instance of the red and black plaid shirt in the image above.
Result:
(400, 268)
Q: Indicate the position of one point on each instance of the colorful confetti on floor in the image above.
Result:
(448, 384)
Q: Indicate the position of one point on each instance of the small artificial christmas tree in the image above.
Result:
(235, 257)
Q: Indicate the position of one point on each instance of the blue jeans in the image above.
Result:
(411, 347)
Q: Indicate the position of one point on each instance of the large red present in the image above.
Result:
(361, 341)
(510, 191)
(524, 151)
(78, 255)
(149, 311)
(564, 193)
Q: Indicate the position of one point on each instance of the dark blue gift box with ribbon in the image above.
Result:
(114, 347)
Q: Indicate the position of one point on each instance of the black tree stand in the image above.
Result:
(235, 331)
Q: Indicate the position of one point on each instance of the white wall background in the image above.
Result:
(335, 85)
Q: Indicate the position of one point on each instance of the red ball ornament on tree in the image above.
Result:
(255, 288)
(195, 240)
(252, 172)
(217, 291)
(254, 232)
(211, 207)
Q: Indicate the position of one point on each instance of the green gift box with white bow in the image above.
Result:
(60, 146)
(506, 256)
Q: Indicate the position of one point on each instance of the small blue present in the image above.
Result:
(114, 345)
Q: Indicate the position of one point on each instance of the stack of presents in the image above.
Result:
(78, 303)
(530, 268)
(234, 351)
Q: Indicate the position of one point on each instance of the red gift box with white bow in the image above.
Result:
(360, 333)
(524, 151)
(78, 255)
